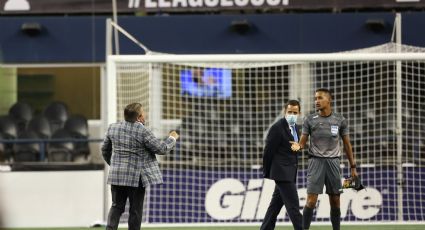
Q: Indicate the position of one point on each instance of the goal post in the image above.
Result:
(222, 106)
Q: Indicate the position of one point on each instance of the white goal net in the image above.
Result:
(222, 106)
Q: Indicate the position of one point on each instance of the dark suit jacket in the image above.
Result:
(279, 161)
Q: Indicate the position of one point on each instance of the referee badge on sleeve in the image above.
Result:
(334, 130)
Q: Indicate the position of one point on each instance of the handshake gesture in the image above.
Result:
(174, 134)
(295, 146)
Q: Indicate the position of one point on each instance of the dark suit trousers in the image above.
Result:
(119, 199)
(285, 193)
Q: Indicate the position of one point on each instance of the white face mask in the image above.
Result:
(291, 119)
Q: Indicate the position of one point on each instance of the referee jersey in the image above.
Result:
(325, 133)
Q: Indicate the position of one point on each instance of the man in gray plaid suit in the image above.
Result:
(129, 149)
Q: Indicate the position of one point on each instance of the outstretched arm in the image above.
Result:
(303, 140)
(156, 145)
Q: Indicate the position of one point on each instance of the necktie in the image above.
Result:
(294, 133)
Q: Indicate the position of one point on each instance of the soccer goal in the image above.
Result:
(222, 106)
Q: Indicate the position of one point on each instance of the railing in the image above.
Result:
(43, 143)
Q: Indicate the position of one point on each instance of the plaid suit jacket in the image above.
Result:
(129, 149)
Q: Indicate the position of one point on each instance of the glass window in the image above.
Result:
(77, 87)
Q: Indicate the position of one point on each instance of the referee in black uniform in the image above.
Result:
(325, 129)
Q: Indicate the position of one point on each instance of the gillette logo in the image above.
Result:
(229, 199)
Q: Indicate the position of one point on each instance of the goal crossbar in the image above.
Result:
(162, 58)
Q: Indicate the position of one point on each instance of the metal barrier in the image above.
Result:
(43, 142)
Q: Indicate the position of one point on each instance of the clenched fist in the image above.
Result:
(174, 134)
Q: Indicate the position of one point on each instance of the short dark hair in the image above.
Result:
(327, 91)
(293, 103)
(132, 112)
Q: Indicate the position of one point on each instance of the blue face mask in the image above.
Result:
(291, 119)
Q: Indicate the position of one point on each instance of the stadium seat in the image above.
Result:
(8, 131)
(60, 150)
(40, 125)
(78, 127)
(22, 113)
(8, 127)
(3, 157)
(27, 152)
(56, 113)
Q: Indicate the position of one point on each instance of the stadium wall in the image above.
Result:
(52, 198)
(75, 199)
(81, 39)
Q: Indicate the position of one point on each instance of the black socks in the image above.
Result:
(336, 218)
(307, 216)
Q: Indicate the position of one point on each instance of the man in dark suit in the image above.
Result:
(280, 164)
(129, 149)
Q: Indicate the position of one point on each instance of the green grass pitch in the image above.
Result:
(343, 227)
